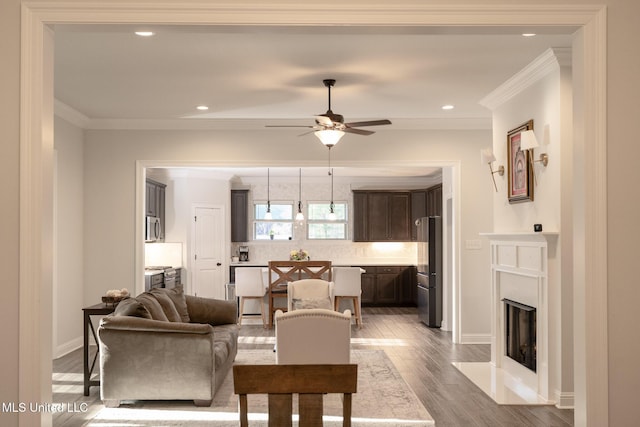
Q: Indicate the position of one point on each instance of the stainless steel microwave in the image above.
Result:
(153, 229)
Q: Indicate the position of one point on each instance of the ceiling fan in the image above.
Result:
(330, 127)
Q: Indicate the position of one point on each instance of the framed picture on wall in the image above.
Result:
(519, 167)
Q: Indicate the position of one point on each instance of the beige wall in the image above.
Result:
(68, 282)
(110, 158)
(623, 292)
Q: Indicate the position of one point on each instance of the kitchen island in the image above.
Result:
(383, 285)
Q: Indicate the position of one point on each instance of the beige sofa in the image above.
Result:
(165, 345)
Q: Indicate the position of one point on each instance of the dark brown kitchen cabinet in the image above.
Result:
(368, 284)
(155, 195)
(382, 216)
(360, 216)
(239, 215)
(427, 202)
(388, 283)
(434, 201)
(155, 202)
(388, 286)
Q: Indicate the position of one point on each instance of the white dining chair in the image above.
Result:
(250, 285)
(347, 285)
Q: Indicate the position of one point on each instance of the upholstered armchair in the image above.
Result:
(309, 293)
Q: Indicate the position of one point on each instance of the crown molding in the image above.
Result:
(549, 61)
(70, 114)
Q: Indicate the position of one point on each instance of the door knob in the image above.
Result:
(218, 264)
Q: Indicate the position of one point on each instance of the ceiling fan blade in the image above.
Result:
(288, 126)
(358, 131)
(369, 123)
(306, 133)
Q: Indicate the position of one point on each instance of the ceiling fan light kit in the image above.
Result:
(329, 137)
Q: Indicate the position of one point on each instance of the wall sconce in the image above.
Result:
(528, 141)
(486, 156)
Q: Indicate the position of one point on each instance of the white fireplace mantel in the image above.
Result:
(519, 267)
(549, 236)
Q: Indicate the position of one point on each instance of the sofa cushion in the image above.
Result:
(302, 303)
(151, 303)
(168, 307)
(131, 307)
(211, 311)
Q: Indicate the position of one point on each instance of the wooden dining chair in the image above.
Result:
(280, 382)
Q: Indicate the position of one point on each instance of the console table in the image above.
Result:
(101, 309)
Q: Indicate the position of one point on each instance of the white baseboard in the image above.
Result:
(565, 400)
(475, 339)
(68, 347)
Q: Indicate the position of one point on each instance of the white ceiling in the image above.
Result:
(253, 76)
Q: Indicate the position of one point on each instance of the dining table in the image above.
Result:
(280, 273)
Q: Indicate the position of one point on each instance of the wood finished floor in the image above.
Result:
(422, 355)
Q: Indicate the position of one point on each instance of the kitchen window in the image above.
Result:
(279, 227)
(320, 227)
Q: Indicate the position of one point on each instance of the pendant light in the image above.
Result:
(268, 215)
(332, 214)
(300, 215)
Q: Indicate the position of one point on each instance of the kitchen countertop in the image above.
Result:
(152, 272)
(336, 264)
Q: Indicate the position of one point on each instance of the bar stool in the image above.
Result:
(347, 285)
(250, 285)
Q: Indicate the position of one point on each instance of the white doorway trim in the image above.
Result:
(36, 137)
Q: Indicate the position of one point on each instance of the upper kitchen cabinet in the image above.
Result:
(155, 202)
(426, 202)
(434, 200)
(155, 195)
(382, 216)
(239, 215)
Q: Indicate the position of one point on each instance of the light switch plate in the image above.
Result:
(473, 244)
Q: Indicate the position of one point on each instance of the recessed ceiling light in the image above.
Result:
(528, 34)
(202, 107)
(144, 33)
(448, 107)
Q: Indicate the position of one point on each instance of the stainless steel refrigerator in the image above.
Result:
(430, 270)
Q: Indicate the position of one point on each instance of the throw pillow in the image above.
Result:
(180, 302)
(152, 304)
(131, 307)
(303, 303)
(166, 303)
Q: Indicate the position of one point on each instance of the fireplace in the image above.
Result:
(520, 333)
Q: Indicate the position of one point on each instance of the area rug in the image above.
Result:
(383, 399)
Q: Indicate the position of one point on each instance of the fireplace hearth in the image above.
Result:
(520, 333)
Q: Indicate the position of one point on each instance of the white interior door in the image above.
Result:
(207, 239)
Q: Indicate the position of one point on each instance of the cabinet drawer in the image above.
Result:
(390, 270)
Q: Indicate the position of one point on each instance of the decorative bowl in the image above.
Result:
(112, 301)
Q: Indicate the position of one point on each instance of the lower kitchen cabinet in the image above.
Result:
(388, 286)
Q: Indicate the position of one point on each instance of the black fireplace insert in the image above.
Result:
(520, 333)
